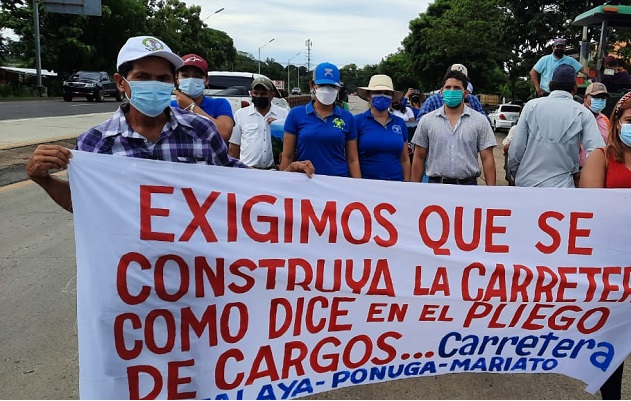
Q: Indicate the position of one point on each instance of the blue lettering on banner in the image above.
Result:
(380, 373)
(454, 344)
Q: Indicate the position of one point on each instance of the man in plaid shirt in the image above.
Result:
(146, 127)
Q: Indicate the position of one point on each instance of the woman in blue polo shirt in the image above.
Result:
(322, 131)
(381, 136)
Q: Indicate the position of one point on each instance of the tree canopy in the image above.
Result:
(498, 40)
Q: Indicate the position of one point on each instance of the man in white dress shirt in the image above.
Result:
(251, 139)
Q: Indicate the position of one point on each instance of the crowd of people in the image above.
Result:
(556, 143)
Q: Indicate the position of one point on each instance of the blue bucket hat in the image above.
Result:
(326, 74)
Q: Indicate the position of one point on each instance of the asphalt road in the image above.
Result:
(38, 336)
(49, 107)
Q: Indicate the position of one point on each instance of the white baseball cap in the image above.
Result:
(459, 67)
(138, 47)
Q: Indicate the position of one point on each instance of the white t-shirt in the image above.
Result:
(409, 114)
(252, 133)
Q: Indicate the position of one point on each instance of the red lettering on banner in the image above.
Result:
(133, 381)
(386, 224)
(122, 286)
(565, 283)
(573, 232)
(553, 233)
(591, 273)
(607, 286)
(325, 356)
(119, 336)
(320, 224)
(440, 283)
(221, 369)
(492, 229)
(183, 275)
(289, 221)
(435, 245)
(536, 317)
(271, 235)
(365, 225)
(147, 212)
(459, 229)
(149, 333)
(233, 227)
(521, 287)
(576, 232)
(263, 366)
(199, 219)
(174, 380)
(396, 312)
(428, 313)
(284, 314)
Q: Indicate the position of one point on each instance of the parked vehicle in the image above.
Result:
(235, 87)
(505, 116)
(296, 91)
(603, 21)
(93, 85)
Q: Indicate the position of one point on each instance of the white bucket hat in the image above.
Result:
(379, 82)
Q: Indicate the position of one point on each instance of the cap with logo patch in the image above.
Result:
(138, 47)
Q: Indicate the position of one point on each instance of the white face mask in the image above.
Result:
(326, 94)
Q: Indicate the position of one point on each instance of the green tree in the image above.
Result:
(457, 31)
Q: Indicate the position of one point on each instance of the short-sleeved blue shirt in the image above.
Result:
(322, 140)
(380, 147)
(546, 66)
(214, 107)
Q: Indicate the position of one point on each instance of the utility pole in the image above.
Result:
(38, 57)
(308, 43)
(288, 67)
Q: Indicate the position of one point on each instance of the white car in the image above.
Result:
(235, 87)
(505, 116)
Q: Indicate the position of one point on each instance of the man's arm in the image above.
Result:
(405, 162)
(534, 77)
(418, 163)
(488, 166)
(518, 144)
(234, 150)
(44, 159)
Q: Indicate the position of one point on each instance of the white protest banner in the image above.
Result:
(211, 282)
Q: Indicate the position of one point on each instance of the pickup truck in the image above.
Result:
(235, 87)
(93, 85)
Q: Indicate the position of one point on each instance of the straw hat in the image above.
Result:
(379, 82)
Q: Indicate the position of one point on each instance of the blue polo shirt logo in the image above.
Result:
(397, 129)
(339, 123)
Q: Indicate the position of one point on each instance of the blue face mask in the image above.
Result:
(597, 105)
(193, 87)
(625, 134)
(452, 97)
(381, 102)
(150, 97)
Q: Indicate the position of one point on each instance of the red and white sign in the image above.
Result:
(279, 84)
(211, 282)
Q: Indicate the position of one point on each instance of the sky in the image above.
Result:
(341, 31)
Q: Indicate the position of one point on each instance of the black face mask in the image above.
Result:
(559, 53)
(260, 102)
